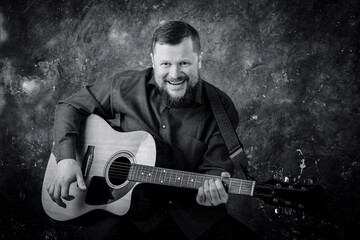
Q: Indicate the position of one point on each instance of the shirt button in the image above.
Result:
(163, 126)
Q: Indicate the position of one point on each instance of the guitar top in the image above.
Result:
(113, 163)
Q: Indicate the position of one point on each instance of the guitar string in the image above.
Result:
(123, 167)
(121, 171)
(234, 183)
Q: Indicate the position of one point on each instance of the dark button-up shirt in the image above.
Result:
(186, 138)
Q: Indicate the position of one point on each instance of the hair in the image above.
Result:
(173, 33)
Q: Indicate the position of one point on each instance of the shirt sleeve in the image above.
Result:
(216, 158)
(71, 112)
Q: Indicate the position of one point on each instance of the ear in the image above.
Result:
(200, 59)
(152, 59)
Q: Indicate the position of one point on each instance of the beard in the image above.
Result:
(180, 102)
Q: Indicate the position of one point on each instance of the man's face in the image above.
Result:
(176, 67)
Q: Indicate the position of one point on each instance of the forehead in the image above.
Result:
(184, 49)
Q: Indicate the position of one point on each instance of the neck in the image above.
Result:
(177, 178)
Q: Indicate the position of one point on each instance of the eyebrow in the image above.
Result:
(181, 60)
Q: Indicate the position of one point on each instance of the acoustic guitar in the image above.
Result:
(114, 162)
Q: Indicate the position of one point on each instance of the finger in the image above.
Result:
(65, 192)
(207, 191)
(225, 175)
(80, 181)
(215, 199)
(223, 195)
(50, 190)
(200, 197)
(225, 179)
(56, 196)
(69, 197)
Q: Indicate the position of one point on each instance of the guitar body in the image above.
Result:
(100, 150)
(113, 163)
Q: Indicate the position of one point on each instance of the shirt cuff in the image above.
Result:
(65, 149)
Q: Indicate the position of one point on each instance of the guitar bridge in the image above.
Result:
(87, 161)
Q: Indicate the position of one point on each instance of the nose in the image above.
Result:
(174, 71)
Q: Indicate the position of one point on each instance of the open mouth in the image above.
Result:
(176, 83)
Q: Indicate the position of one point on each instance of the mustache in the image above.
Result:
(178, 79)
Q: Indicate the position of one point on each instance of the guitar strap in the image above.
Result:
(231, 139)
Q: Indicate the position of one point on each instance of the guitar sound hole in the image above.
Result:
(119, 170)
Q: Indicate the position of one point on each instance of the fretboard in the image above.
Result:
(178, 178)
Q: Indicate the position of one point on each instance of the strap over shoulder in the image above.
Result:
(231, 139)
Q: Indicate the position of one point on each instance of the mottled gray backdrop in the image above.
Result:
(291, 67)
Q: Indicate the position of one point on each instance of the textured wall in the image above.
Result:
(291, 68)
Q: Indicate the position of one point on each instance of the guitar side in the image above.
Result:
(108, 147)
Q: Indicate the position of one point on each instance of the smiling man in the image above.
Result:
(176, 67)
(168, 101)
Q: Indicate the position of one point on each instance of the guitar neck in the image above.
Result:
(178, 178)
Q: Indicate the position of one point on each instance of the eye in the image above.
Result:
(165, 64)
(184, 64)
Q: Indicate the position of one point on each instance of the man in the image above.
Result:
(169, 102)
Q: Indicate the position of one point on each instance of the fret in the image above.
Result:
(178, 179)
(173, 178)
(136, 176)
(192, 180)
(142, 173)
(241, 182)
(176, 182)
(230, 182)
(181, 180)
(163, 174)
(131, 173)
(155, 180)
(166, 177)
(200, 179)
(188, 176)
(150, 175)
(170, 177)
(185, 179)
(136, 173)
(158, 176)
(186, 183)
(146, 172)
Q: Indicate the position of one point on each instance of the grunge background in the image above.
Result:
(290, 66)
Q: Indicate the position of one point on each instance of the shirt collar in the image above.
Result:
(199, 90)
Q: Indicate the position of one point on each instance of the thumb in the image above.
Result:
(80, 181)
(225, 175)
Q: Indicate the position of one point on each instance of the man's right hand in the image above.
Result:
(67, 171)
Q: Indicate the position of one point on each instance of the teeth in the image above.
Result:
(176, 83)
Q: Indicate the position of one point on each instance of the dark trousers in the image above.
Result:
(113, 227)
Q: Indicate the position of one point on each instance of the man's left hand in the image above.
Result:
(213, 193)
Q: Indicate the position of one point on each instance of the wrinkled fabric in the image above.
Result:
(186, 138)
